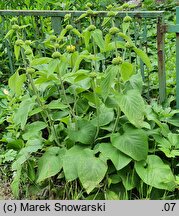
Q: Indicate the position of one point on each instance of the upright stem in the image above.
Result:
(117, 119)
(66, 99)
(44, 113)
(97, 106)
(94, 63)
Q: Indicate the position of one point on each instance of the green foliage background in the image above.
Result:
(76, 121)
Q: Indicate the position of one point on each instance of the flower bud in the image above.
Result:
(14, 20)
(89, 5)
(89, 12)
(53, 38)
(56, 55)
(129, 45)
(15, 27)
(125, 5)
(93, 74)
(91, 28)
(69, 27)
(56, 46)
(19, 42)
(28, 42)
(70, 48)
(30, 70)
(109, 7)
(116, 61)
(67, 16)
(113, 30)
(127, 19)
(111, 14)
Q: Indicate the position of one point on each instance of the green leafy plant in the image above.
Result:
(75, 118)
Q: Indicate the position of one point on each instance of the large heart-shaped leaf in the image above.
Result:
(155, 173)
(106, 115)
(119, 159)
(133, 106)
(70, 162)
(84, 132)
(91, 170)
(50, 163)
(81, 162)
(133, 143)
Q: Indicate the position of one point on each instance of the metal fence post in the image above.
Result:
(177, 60)
(161, 59)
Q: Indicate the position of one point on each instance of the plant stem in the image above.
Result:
(44, 113)
(97, 106)
(65, 96)
(117, 119)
